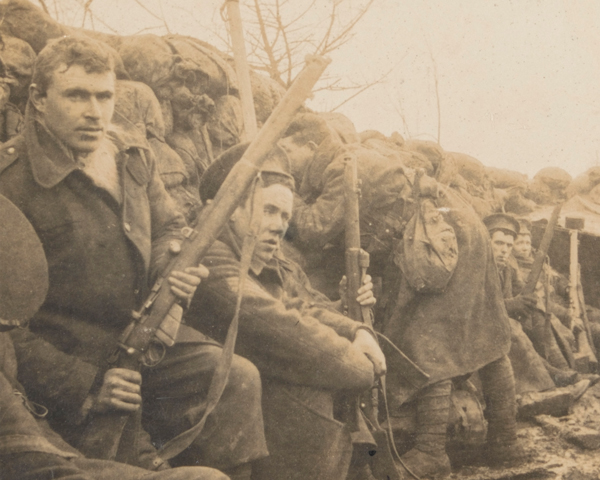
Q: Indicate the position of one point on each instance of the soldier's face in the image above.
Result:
(278, 201)
(78, 106)
(522, 246)
(502, 245)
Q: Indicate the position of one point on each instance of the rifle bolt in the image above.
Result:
(130, 351)
(363, 405)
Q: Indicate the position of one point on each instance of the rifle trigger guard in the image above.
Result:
(154, 354)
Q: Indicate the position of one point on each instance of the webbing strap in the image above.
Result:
(182, 441)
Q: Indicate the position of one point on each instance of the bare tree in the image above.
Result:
(280, 33)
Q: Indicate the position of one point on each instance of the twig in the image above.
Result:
(44, 6)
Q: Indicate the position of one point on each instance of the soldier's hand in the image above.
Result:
(367, 344)
(520, 305)
(184, 284)
(365, 293)
(121, 390)
(365, 296)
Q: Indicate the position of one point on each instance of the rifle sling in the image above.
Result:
(219, 381)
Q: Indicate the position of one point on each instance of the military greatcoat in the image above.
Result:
(102, 252)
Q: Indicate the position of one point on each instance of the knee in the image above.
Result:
(244, 378)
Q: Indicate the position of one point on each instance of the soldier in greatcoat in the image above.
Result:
(96, 201)
(311, 357)
(452, 332)
(29, 448)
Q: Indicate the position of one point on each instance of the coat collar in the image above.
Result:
(51, 161)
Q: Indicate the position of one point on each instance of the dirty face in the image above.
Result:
(502, 245)
(77, 106)
(522, 247)
(277, 201)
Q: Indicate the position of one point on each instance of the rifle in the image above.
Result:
(540, 256)
(357, 262)
(158, 319)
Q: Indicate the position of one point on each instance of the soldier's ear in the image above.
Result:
(37, 98)
(312, 145)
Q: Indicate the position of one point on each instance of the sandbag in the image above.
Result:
(554, 177)
(503, 178)
(371, 134)
(24, 20)
(582, 184)
(137, 106)
(470, 168)
(226, 125)
(201, 67)
(431, 150)
(343, 126)
(267, 93)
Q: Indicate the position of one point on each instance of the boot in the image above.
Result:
(561, 376)
(428, 458)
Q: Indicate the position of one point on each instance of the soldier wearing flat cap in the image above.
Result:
(504, 230)
(306, 350)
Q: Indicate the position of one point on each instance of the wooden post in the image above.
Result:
(242, 69)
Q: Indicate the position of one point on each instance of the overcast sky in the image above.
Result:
(518, 81)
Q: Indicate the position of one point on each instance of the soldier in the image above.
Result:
(450, 332)
(106, 222)
(532, 372)
(29, 449)
(307, 351)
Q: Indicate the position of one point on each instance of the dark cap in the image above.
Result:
(502, 221)
(23, 267)
(274, 170)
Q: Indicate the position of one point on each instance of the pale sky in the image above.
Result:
(517, 80)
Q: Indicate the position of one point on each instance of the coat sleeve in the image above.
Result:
(59, 381)
(166, 220)
(316, 223)
(281, 342)
(311, 302)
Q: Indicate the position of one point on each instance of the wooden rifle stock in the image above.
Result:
(102, 435)
(540, 256)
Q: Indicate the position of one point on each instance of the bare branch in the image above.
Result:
(368, 85)
(148, 10)
(44, 6)
(346, 34)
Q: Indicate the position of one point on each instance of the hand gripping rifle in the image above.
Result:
(357, 262)
(156, 323)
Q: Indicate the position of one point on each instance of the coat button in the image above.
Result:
(127, 227)
(10, 150)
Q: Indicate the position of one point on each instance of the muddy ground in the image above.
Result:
(565, 447)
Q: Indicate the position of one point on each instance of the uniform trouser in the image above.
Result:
(44, 466)
(498, 385)
(304, 439)
(174, 399)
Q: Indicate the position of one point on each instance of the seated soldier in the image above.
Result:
(531, 371)
(308, 353)
(29, 448)
(545, 324)
(108, 228)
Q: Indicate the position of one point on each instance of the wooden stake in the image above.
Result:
(242, 69)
